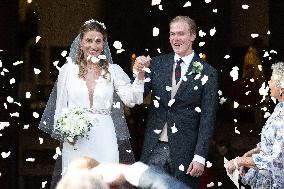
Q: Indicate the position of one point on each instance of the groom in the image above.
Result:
(184, 99)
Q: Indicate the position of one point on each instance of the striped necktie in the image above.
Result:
(178, 70)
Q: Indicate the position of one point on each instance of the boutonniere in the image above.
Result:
(197, 67)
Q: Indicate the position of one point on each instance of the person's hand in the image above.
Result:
(141, 62)
(195, 169)
(111, 173)
(231, 166)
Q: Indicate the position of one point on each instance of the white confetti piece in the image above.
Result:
(234, 73)
(212, 31)
(187, 4)
(16, 114)
(222, 100)
(43, 184)
(197, 109)
(156, 103)
(119, 51)
(227, 56)
(28, 94)
(155, 2)
(247, 93)
(1, 64)
(64, 53)
(17, 63)
(36, 71)
(208, 164)
(237, 131)
(157, 131)
(12, 81)
(160, 7)
(116, 105)
(174, 129)
(197, 76)
(201, 44)
(215, 10)
(5, 154)
(159, 50)
(10, 99)
(268, 32)
(184, 78)
(211, 184)
(273, 51)
(58, 151)
(40, 140)
(235, 120)
(201, 33)
(30, 160)
(117, 45)
(156, 31)
(220, 183)
(236, 105)
(148, 79)
(264, 109)
(220, 92)
(35, 115)
(195, 88)
(18, 103)
(266, 54)
(4, 124)
(37, 38)
(266, 115)
(263, 91)
(26, 126)
(251, 80)
(5, 105)
(168, 88)
(254, 35)
(171, 102)
(245, 7)
(128, 151)
(207, 1)
(204, 79)
(181, 167)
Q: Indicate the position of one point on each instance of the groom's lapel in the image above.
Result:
(190, 78)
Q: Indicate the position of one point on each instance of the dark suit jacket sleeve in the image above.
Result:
(153, 178)
(208, 113)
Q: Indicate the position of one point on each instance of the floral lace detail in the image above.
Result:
(99, 111)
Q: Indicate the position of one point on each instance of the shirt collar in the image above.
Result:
(186, 59)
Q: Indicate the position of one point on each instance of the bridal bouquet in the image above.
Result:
(73, 124)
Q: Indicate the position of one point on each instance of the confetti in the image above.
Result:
(119, 51)
(64, 53)
(155, 2)
(1, 64)
(128, 151)
(234, 73)
(264, 109)
(184, 78)
(157, 131)
(117, 45)
(220, 183)
(35, 115)
(36, 71)
(160, 7)
(147, 79)
(187, 4)
(28, 94)
(12, 81)
(174, 129)
(4, 124)
(40, 140)
(245, 7)
(43, 184)
(197, 109)
(247, 93)
(155, 31)
(266, 115)
(211, 184)
(5, 105)
(204, 79)
(201, 33)
(17, 63)
(37, 38)
(168, 88)
(159, 50)
(237, 131)
(10, 99)
(236, 105)
(171, 102)
(5, 154)
(181, 167)
(201, 44)
(212, 31)
(268, 32)
(251, 80)
(227, 56)
(16, 114)
(158, 98)
(156, 103)
(215, 10)
(263, 91)
(208, 164)
(266, 54)
(235, 120)
(195, 88)
(116, 105)
(30, 159)
(254, 35)
(222, 100)
(19, 104)
(220, 92)
(26, 126)
(207, 1)
(197, 76)
(273, 51)
(58, 151)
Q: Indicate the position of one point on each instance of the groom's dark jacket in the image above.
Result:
(194, 129)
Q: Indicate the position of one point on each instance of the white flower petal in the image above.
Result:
(222, 100)
(16, 114)
(201, 33)
(119, 51)
(204, 79)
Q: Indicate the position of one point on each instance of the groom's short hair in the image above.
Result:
(191, 23)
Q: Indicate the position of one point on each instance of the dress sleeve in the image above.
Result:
(274, 160)
(130, 94)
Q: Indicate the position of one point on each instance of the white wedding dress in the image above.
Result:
(72, 91)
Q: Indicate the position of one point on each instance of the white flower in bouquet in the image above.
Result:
(73, 123)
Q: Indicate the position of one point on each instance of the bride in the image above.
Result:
(90, 81)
